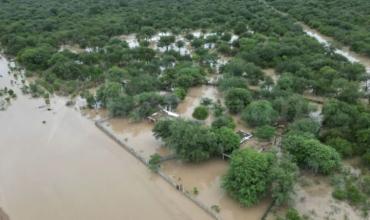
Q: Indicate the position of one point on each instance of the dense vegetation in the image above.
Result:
(252, 175)
(346, 21)
(72, 47)
(192, 141)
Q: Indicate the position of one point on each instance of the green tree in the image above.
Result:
(120, 106)
(284, 175)
(265, 132)
(189, 140)
(342, 146)
(309, 153)
(305, 125)
(227, 140)
(247, 179)
(200, 113)
(108, 91)
(237, 99)
(36, 58)
(259, 113)
(223, 121)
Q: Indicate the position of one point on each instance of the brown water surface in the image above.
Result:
(56, 165)
(206, 177)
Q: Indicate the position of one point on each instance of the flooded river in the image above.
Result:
(65, 168)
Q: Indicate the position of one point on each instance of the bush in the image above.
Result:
(120, 106)
(237, 99)
(311, 154)
(200, 113)
(247, 179)
(189, 140)
(223, 121)
(265, 132)
(227, 140)
(293, 214)
(305, 125)
(154, 162)
(339, 194)
(259, 113)
(341, 146)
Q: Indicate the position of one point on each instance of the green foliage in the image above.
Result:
(115, 74)
(232, 82)
(309, 153)
(180, 93)
(108, 91)
(237, 99)
(227, 140)
(239, 68)
(284, 175)
(120, 106)
(265, 132)
(247, 179)
(223, 121)
(154, 162)
(200, 112)
(305, 125)
(36, 58)
(259, 113)
(180, 137)
(292, 107)
(292, 214)
(335, 20)
(342, 146)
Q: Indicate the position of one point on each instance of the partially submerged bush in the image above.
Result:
(200, 113)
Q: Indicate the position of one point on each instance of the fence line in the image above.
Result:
(169, 180)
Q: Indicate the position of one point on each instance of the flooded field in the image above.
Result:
(57, 165)
(204, 181)
(194, 98)
(138, 136)
(314, 199)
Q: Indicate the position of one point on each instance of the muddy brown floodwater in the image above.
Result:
(66, 168)
(314, 198)
(206, 177)
(194, 98)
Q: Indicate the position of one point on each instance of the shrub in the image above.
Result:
(227, 140)
(223, 121)
(341, 146)
(200, 113)
(154, 162)
(237, 99)
(259, 113)
(311, 154)
(265, 132)
(305, 125)
(247, 179)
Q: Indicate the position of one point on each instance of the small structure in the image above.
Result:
(162, 113)
(244, 136)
